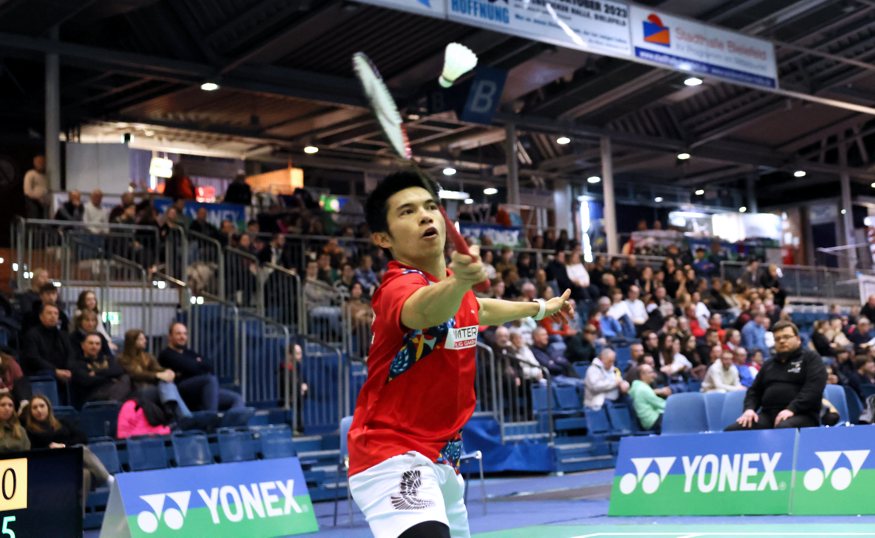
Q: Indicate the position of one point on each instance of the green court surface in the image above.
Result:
(686, 531)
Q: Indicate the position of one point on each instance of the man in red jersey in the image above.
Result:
(405, 443)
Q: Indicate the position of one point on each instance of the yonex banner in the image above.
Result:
(705, 474)
(835, 471)
(256, 499)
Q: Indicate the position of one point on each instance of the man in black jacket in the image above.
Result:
(195, 379)
(788, 390)
(47, 348)
(97, 376)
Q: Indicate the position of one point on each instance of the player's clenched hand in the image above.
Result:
(468, 269)
(560, 308)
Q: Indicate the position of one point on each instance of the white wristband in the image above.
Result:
(542, 309)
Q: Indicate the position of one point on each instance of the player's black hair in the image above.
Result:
(376, 207)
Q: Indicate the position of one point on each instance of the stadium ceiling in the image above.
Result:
(286, 82)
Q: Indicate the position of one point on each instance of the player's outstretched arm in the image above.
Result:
(432, 305)
(497, 311)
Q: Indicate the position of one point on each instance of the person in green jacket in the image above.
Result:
(648, 406)
(13, 438)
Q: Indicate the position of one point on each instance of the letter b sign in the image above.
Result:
(485, 95)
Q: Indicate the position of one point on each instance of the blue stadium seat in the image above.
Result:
(107, 453)
(620, 416)
(567, 398)
(539, 398)
(276, 441)
(99, 419)
(868, 390)
(855, 406)
(597, 422)
(67, 413)
(685, 413)
(733, 407)
(580, 367)
(47, 386)
(147, 453)
(191, 448)
(236, 444)
(714, 410)
(624, 357)
(836, 396)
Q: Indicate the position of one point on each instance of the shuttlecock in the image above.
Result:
(458, 60)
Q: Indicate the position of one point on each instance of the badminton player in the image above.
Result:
(405, 443)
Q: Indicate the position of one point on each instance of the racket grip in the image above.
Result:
(461, 246)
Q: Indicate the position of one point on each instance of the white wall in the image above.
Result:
(103, 166)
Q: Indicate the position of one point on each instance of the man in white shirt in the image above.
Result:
(37, 197)
(637, 310)
(603, 381)
(702, 312)
(95, 214)
(722, 375)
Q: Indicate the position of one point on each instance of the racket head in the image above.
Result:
(382, 104)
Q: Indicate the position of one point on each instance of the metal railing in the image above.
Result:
(283, 296)
(205, 265)
(805, 280)
(326, 373)
(242, 274)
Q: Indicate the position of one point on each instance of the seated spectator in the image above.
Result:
(145, 373)
(12, 380)
(732, 339)
(94, 214)
(322, 302)
(788, 390)
(238, 192)
(578, 279)
(292, 363)
(98, 376)
(125, 212)
(47, 431)
(746, 373)
(753, 334)
(86, 323)
(525, 266)
(862, 335)
(141, 415)
(366, 275)
(325, 272)
(72, 209)
(27, 299)
(13, 437)
(556, 365)
(580, 346)
(487, 259)
(648, 406)
(347, 278)
(528, 364)
(603, 381)
(48, 294)
(703, 266)
(722, 375)
(275, 252)
(194, 375)
(863, 374)
(87, 302)
(46, 349)
(635, 307)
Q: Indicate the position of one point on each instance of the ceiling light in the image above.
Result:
(658, 199)
(563, 140)
(310, 150)
(700, 192)
(872, 185)
(799, 173)
(683, 156)
(413, 117)
(742, 209)
(593, 180)
(489, 191)
(844, 211)
(449, 171)
(209, 86)
(468, 201)
(693, 81)
(444, 194)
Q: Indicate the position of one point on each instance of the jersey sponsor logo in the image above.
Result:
(463, 337)
(407, 498)
(840, 478)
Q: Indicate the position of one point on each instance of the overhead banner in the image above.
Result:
(687, 45)
(601, 27)
(430, 8)
(835, 471)
(737, 473)
(256, 499)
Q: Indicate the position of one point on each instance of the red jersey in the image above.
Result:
(420, 387)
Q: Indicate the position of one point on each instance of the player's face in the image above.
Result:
(416, 227)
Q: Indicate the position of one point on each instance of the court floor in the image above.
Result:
(686, 531)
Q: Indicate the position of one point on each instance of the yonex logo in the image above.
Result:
(651, 481)
(174, 518)
(839, 478)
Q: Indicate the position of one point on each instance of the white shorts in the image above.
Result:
(409, 489)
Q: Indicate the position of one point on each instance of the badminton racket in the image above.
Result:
(386, 112)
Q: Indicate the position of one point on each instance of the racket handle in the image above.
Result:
(461, 246)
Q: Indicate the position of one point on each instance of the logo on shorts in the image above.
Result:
(407, 498)
(840, 478)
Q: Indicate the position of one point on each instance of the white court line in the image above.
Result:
(732, 533)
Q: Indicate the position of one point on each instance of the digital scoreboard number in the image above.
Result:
(40, 492)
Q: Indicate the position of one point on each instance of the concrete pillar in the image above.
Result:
(608, 189)
(845, 205)
(53, 117)
(513, 167)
